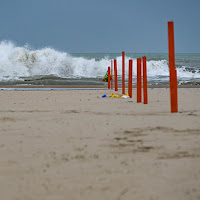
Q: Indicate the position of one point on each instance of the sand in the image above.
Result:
(76, 145)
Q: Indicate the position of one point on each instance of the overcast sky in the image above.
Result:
(136, 26)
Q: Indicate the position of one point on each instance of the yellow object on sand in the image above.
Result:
(120, 96)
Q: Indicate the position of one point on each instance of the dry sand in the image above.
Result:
(62, 145)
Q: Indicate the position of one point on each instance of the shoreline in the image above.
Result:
(88, 86)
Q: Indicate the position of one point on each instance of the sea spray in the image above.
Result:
(23, 63)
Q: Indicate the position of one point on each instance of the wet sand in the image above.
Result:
(76, 145)
(89, 86)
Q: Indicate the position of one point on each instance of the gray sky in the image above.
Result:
(101, 25)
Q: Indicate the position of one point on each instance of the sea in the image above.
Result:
(26, 66)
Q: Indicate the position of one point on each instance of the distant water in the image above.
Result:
(24, 66)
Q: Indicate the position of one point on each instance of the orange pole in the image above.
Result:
(130, 77)
(123, 72)
(112, 74)
(139, 81)
(176, 93)
(172, 70)
(115, 71)
(144, 60)
(108, 77)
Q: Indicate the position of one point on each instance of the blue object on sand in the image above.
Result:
(104, 96)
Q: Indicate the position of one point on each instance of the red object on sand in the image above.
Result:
(115, 71)
(130, 78)
(144, 61)
(172, 70)
(139, 81)
(123, 72)
(108, 77)
(112, 74)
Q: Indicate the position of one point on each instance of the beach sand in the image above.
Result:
(74, 144)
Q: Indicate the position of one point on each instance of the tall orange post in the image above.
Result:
(130, 78)
(139, 81)
(172, 70)
(176, 92)
(123, 72)
(115, 71)
(112, 74)
(144, 61)
(108, 77)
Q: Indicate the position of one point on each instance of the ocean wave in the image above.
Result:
(18, 62)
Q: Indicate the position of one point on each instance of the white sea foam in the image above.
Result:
(16, 62)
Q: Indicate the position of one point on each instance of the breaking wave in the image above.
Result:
(19, 62)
